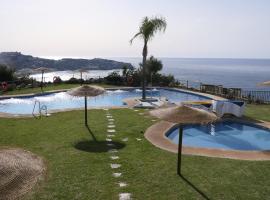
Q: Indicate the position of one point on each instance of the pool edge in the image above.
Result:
(156, 135)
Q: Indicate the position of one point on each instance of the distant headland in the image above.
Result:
(19, 61)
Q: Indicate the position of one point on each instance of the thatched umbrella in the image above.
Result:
(86, 91)
(266, 83)
(184, 115)
(42, 70)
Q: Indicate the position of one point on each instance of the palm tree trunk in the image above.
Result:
(144, 54)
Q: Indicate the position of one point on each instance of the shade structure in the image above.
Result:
(266, 83)
(42, 70)
(86, 91)
(183, 115)
(81, 71)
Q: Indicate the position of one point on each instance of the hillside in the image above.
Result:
(19, 62)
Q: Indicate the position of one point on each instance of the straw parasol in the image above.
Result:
(42, 70)
(184, 115)
(266, 83)
(20, 172)
(86, 91)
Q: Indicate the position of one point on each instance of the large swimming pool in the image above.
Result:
(62, 100)
(227, 135)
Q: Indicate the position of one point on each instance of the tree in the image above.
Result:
(125, 70)
(6, 73)
(153, 65)
(148, 28)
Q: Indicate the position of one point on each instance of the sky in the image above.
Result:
(103, 28)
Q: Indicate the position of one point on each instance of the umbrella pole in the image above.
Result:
(85, 111)
(180, 150)
(81, 78)
(42, 81)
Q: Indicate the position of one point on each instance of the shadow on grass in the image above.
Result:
(97, 146)
(194, 187)
(91, 133)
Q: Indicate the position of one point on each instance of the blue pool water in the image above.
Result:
(62, 100)
(224, 135)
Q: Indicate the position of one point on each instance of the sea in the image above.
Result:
(231, 73)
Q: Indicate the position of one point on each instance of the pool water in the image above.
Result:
(224, 135)
(62, 100)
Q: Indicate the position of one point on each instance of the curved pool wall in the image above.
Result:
(226, 135)
(112, 98)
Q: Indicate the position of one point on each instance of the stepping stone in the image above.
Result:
(114, 157)
(110, 123)
(106, 109)
(110, 145)
(153, 120)
(136, 110)
(122, 184)
(124, 196)
(111, 126)
(115, 166)
(125, 139)
(138, 139)
(108, 139)
(109, 116)
(116, 175)
(111, 131)
(113, 151)
(110, 119)
(110, 135)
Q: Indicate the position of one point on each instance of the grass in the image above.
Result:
(260, 112)
(79, 168)
(48, 87)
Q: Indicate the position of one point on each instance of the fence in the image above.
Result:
(256, 96)
(230, 93)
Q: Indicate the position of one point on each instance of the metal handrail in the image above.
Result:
(33, 112)
(40, 108)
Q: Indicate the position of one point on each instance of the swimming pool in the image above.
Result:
(226, 135)
(62, 100)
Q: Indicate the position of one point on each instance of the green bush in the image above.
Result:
(6, 73)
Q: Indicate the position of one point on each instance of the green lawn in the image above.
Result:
(48, 87)
(78, 168)
(260, 112)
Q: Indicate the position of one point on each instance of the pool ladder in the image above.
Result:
(40, 109)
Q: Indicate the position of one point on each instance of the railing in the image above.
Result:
(40, 109)
(230, 93)
(256, 96)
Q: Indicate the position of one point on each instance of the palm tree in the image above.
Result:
(148, 28)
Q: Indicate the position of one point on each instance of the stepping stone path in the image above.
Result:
(114, 166)
(122, 184)
(110, 136)
(124, 196)
(125, 139)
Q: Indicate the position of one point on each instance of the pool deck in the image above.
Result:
(156, 134)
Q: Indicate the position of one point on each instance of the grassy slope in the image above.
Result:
(261, 112)
(149, 171)
(48, 88)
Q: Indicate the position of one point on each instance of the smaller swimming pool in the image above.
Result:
(227, 135)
